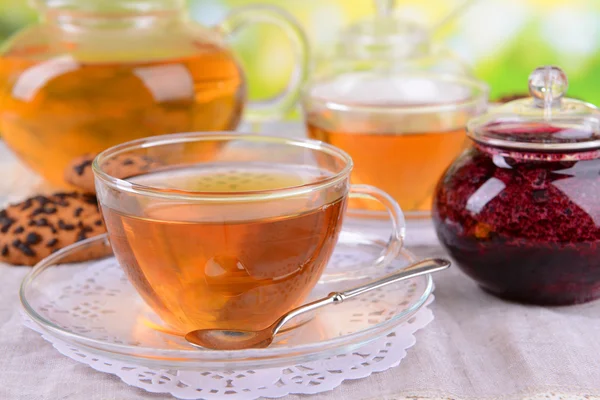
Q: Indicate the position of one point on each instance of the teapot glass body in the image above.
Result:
(90, 76)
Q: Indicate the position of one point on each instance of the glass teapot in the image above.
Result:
(93, 74)
(397, 103)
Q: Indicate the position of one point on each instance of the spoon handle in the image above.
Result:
(423, 267)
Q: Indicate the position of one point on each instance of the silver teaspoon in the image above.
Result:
(231, 339)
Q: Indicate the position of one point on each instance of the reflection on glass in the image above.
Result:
(486, 193)
(56, 110)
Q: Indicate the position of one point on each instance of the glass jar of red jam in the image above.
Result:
(520, 210)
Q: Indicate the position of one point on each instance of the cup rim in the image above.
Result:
(226, 136)
(481, 96)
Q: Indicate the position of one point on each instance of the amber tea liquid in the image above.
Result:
(401, 130)
(55, 110)
(407, 166)
(235, 265)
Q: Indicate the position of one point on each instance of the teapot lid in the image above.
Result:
(391, 43)
(384, 36)
(545, 121)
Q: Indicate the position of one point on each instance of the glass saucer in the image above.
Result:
(92, 306)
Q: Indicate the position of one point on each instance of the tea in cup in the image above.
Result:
(220, 231)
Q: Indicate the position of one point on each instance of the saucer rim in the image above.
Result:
(190, 358)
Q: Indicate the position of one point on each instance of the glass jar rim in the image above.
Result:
(124, 185)
(587, 126)
(480, 95)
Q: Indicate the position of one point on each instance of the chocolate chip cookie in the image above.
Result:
(41, 225)
(79, 171)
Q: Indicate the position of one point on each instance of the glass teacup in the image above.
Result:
(228, 230)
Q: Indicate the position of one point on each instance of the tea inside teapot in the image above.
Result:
(91, 76)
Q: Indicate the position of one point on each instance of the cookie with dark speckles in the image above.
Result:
(41, 225)
(79, 172)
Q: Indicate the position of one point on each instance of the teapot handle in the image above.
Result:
(263, 110)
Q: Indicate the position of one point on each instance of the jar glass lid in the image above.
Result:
(545, 121)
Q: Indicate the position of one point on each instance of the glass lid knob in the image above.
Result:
(547, 85)
(385, 7)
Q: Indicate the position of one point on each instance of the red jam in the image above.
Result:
(525, 226)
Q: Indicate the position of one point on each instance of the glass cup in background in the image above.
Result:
(227, 230)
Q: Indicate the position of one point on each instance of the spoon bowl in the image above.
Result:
(222, 339)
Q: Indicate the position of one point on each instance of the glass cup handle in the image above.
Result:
(239, 18)
(396, 240)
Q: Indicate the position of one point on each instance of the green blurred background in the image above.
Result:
(504, 40)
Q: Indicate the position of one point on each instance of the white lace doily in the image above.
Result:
(308, 378)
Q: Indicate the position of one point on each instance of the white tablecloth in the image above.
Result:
(478, 347)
